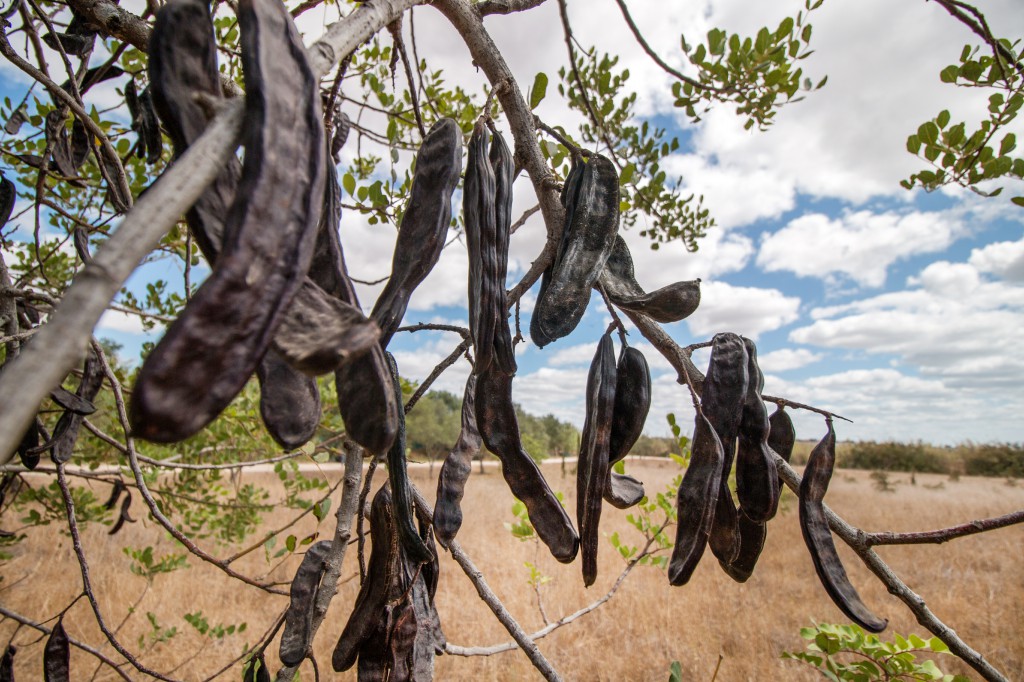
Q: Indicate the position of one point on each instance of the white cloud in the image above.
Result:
(114, 320)
(786, 359)
(582, 354)
(859, 246)
(1003, 259)
(744, 310)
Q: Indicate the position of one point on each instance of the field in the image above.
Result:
(975, 584)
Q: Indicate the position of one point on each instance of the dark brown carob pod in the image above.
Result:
(123, 517)
(28, 448)
(781, 435)
(115, 494)
(296, 638)
(451, 482)
(401, 489)
(210, 351)
(289, 401)
(722, 398)
(57, 655)
(7, 664)
(256, 669)
(504, 167)
(756, 478)
(8, 195)
(752, 536)
(591, 224)
(499, 428)
(421, 234)
(671, 303)
(632, 404)
(478, 197)
(818, 536)
(59, 143)
(66, 430)
(695, 501)
(593, 467)
(394, 629)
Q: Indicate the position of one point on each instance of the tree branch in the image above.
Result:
(944, 534)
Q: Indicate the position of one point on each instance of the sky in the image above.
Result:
(897, 310)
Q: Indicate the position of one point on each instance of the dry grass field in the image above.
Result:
(975, 584)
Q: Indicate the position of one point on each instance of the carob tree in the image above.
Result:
(279, 306)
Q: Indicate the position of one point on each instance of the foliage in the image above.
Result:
(846, 652)
(994, 459)
(893, 456)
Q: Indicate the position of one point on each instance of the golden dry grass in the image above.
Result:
(975, 584)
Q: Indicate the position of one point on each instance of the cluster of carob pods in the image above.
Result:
(279, 304)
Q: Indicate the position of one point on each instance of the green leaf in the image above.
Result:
(1008, 144)
(627, 173)
(290, 542)
(539, 89)
(1018, 200)
(349, 183)
(942, 119)
(949, 74)
(913, 144)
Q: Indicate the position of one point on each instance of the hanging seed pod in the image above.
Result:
(756, 478)
(66, 430)
(209, 352)
(672, 303)
(342, 126)
(115, 494)
(632, 404)
(123, 517)
(17, 119)
(695, 502)
(8, 195)
(592, 470)
(28, 448)
(289, 401)
(60, 145)
(782, 435)
(591, 223)
(451, 482)
(499, 428)
(478, 200)
(296, 638)
(724, 392)
(401, 489)
(504, 176)
(7, 664)
(818, 536)
(421, 235)
(57, 655)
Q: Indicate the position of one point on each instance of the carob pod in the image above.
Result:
(451, 482)
(421, 234)
(499, 428)
(28, 448)
(319, 332)
(782, 435)
(632, 404)
(7, 664)
(756, 478)
(77, 40)
(478, 202)
(296, 638)
(72, 402)
(115, 494)
(722, 398)
(671, 303)
(66, 430)
(57, 655)
(504, 167)
(210, 351)
(394, 629)
(818, 536)
(289, 401)
(593, 467)
(8, 195)
(401, 489)
(60, 144)
(591, 224)
(123, 517)
(752, 535)
(695, 501)
(256, 669)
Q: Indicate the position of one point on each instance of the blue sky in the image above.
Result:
(900, 310)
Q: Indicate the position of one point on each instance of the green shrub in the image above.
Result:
(997, 459)
(893, 456)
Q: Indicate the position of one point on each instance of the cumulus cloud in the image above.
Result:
(786, 359)
(116, 321)
(1002, 259)
(744, 310)
(859, 246)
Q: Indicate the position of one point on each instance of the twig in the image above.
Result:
(395, 29)
(83, 564)
(360, 514)
(444, 364)
(7, 613)
(487, 595)
(574, 149)
(431, 326)
(527, 214)
(944, 534)
(147, 496)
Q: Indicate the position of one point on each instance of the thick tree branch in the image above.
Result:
(944, 534)
(507, 6)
